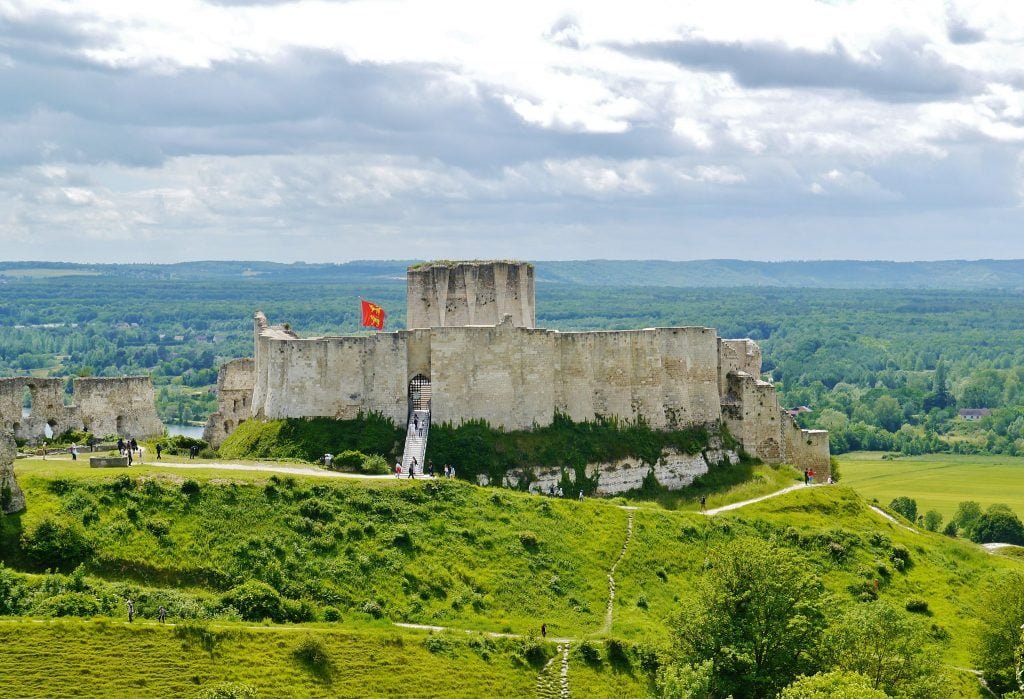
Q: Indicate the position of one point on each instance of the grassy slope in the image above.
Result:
(467, 547)
(105, 659)
(937, 481)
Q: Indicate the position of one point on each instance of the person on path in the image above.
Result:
(131, 460)
(543, 630)
(134, 445)
(398, 469)
(161, 614)
(807, 477)
(120, 446)
(74, 452)
(581, 496)
(158, 450)
(453, 472)
(703, 502)
(131, 610)
(810, 476)
(415, 424)
(412, 468)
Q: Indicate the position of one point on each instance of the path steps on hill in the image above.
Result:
(607, 626)
(551, 685)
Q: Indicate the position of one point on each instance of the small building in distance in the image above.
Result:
(972, 414)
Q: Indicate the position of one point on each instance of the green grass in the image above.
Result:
(113, 658)
(436, 552)
(937, 481)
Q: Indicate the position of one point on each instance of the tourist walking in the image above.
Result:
(703, 502)
(161, 614)
(131, 610)
(807, 477)
(158, 449)
(412, 468)
(74, 452)
(543, 630)
(398, 469)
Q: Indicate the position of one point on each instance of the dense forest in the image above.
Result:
(882, 369)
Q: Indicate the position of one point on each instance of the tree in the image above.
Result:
(940, 396)
(888, 413)
(999, 614)
(967, 513)
(837, 684)
(932, 520)
(890, 649)
(754, 615)
(906, 507)
(999, 525)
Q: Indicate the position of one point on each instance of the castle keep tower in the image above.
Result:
(454, 294)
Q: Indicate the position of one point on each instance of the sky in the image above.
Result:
(327, 131)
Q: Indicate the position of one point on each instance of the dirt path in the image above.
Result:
(744, 503)
(269, 468)
(607, 627)
(892, 519)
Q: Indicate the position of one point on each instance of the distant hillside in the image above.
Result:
(837, 274)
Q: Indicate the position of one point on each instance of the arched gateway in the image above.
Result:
(418, 426)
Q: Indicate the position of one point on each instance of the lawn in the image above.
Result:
(937, 481)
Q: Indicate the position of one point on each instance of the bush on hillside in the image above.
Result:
(228, 690)
(310, 439)
(475, 448)
(353, 461)
(932, 520)
(55, 543)
(256, 601)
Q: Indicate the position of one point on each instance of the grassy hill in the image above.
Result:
(336, 562)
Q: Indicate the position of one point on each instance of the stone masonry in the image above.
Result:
(501, 369)
(12, 499)
(104, 406)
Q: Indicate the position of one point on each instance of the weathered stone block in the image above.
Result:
(108, 461)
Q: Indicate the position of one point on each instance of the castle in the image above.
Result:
(472, 351)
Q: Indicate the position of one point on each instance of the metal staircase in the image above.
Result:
(418, 428)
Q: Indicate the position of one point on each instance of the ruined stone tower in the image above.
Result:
(453, 294)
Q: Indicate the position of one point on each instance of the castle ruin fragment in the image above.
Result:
(122, 406)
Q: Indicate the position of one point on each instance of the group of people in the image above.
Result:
(128, 448)
(161, 613)
(449, 471)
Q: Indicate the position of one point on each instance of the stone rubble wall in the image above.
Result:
(13, 497)
(470, 293)
(125, 406)
(235, 381)
(673, 471)
(807, 449)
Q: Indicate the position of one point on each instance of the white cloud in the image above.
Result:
(454, 124)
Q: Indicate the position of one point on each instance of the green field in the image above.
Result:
(937, 481)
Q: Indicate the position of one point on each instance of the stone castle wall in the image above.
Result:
(235, 382)
(470, 293)
(512, 377)
(12, 499)
(124, 406)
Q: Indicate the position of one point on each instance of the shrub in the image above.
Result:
(255, 601)
(589, 653)
(55, 543)
(228, 690)
(68, 604)
(373, 608)
(917, 605)
(950, 529)
(332, 614)
(313, 653)
(438, 644)
(529, 540)
(900, 557)
(932, 520)
(158, 526)
(190, 488)
(998, 526)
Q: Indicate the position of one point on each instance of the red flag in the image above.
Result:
(373, 315)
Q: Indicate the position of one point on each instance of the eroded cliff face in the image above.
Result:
(12, 499)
